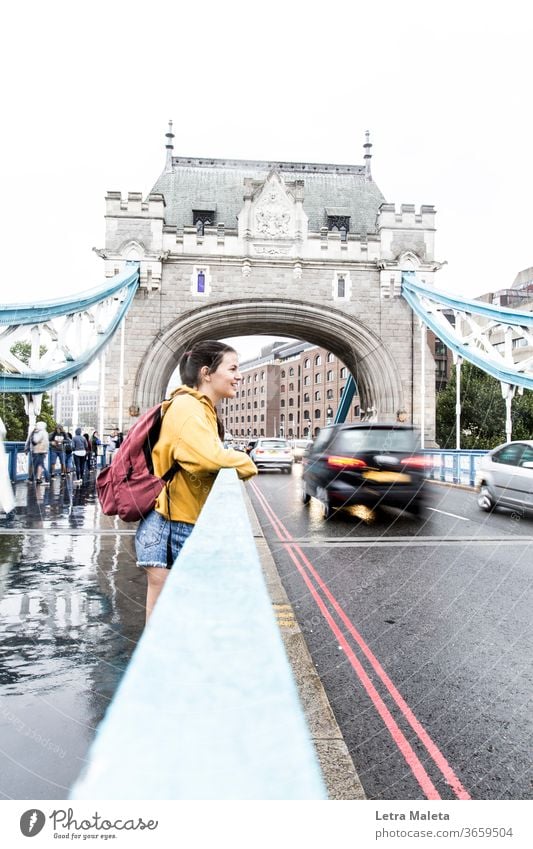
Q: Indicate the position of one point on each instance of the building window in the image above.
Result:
(307, 363)
(307, 414)
(341, 286)
(331, 357)
(291, 418)
(282, 388)
(201, 217)
(291, 372)
(343, 372)
(317, 396)
(357, 410)
(329, 394)
(291, 387)
(306, 397)
(318, 378)
(263, 402)
(282, 402)
(329, 376)
(318, 360)
(291, 402)
(317, 414)
(307, 380)
(339, 224)
(200, 280)
(282, 374)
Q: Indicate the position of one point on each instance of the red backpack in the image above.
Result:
(128, 487)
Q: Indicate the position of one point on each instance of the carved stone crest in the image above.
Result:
(273, 215)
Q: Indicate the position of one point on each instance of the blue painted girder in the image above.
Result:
(38, 382)
(501, 371)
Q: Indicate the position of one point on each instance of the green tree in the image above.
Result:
(12, 403)
(482, 411)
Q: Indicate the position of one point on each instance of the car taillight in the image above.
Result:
(259, 451)
(418, 463)
(346, 462)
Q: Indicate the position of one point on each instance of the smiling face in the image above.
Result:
(224, 382)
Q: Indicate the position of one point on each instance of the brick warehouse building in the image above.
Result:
(293, 389)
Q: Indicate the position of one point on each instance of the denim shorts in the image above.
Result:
(158, 541)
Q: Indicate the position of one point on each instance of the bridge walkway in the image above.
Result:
(71, 605)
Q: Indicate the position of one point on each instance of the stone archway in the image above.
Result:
(364, 353)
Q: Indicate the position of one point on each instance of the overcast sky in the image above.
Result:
(444, 88)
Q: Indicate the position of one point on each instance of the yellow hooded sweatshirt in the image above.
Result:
(189, 435)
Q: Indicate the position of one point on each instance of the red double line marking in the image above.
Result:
(306, 569)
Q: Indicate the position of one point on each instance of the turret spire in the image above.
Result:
(368, 156)
(169, 147)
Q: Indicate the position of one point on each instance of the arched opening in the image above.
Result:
(366, 355)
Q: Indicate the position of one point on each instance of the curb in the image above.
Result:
(338, 770)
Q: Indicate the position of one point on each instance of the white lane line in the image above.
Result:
(453, 515)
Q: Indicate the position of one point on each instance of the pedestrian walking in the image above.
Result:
(69, 462)
(7, 498)
(96, 444)
(89, 458)
(79, 450)
(111, 445)
(191, 435)
(57, 450)
(38, 444)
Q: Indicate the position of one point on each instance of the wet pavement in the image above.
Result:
(71, 613)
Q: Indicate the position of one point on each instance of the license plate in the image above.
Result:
(387, 477)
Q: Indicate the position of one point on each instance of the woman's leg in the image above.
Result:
(156, 576)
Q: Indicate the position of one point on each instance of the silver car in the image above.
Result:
(505, 476)
(272, 453)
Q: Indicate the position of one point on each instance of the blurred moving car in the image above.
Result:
(272, 453)
(367, 463)
(505, 476)
(299, 447)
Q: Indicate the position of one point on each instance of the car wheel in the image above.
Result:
(484, 499)
(306, 498)
(327, 509)
(289, 470)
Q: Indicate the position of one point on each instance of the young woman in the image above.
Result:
(191, 435)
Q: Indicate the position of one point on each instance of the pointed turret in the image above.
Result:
(169, 147)
(368, 156)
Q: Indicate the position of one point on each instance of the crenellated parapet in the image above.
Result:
(133, 205)
(406, 230)
(134, 231)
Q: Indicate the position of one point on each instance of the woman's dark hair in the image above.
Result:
(208, 353)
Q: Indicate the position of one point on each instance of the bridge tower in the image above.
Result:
(237, 247)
